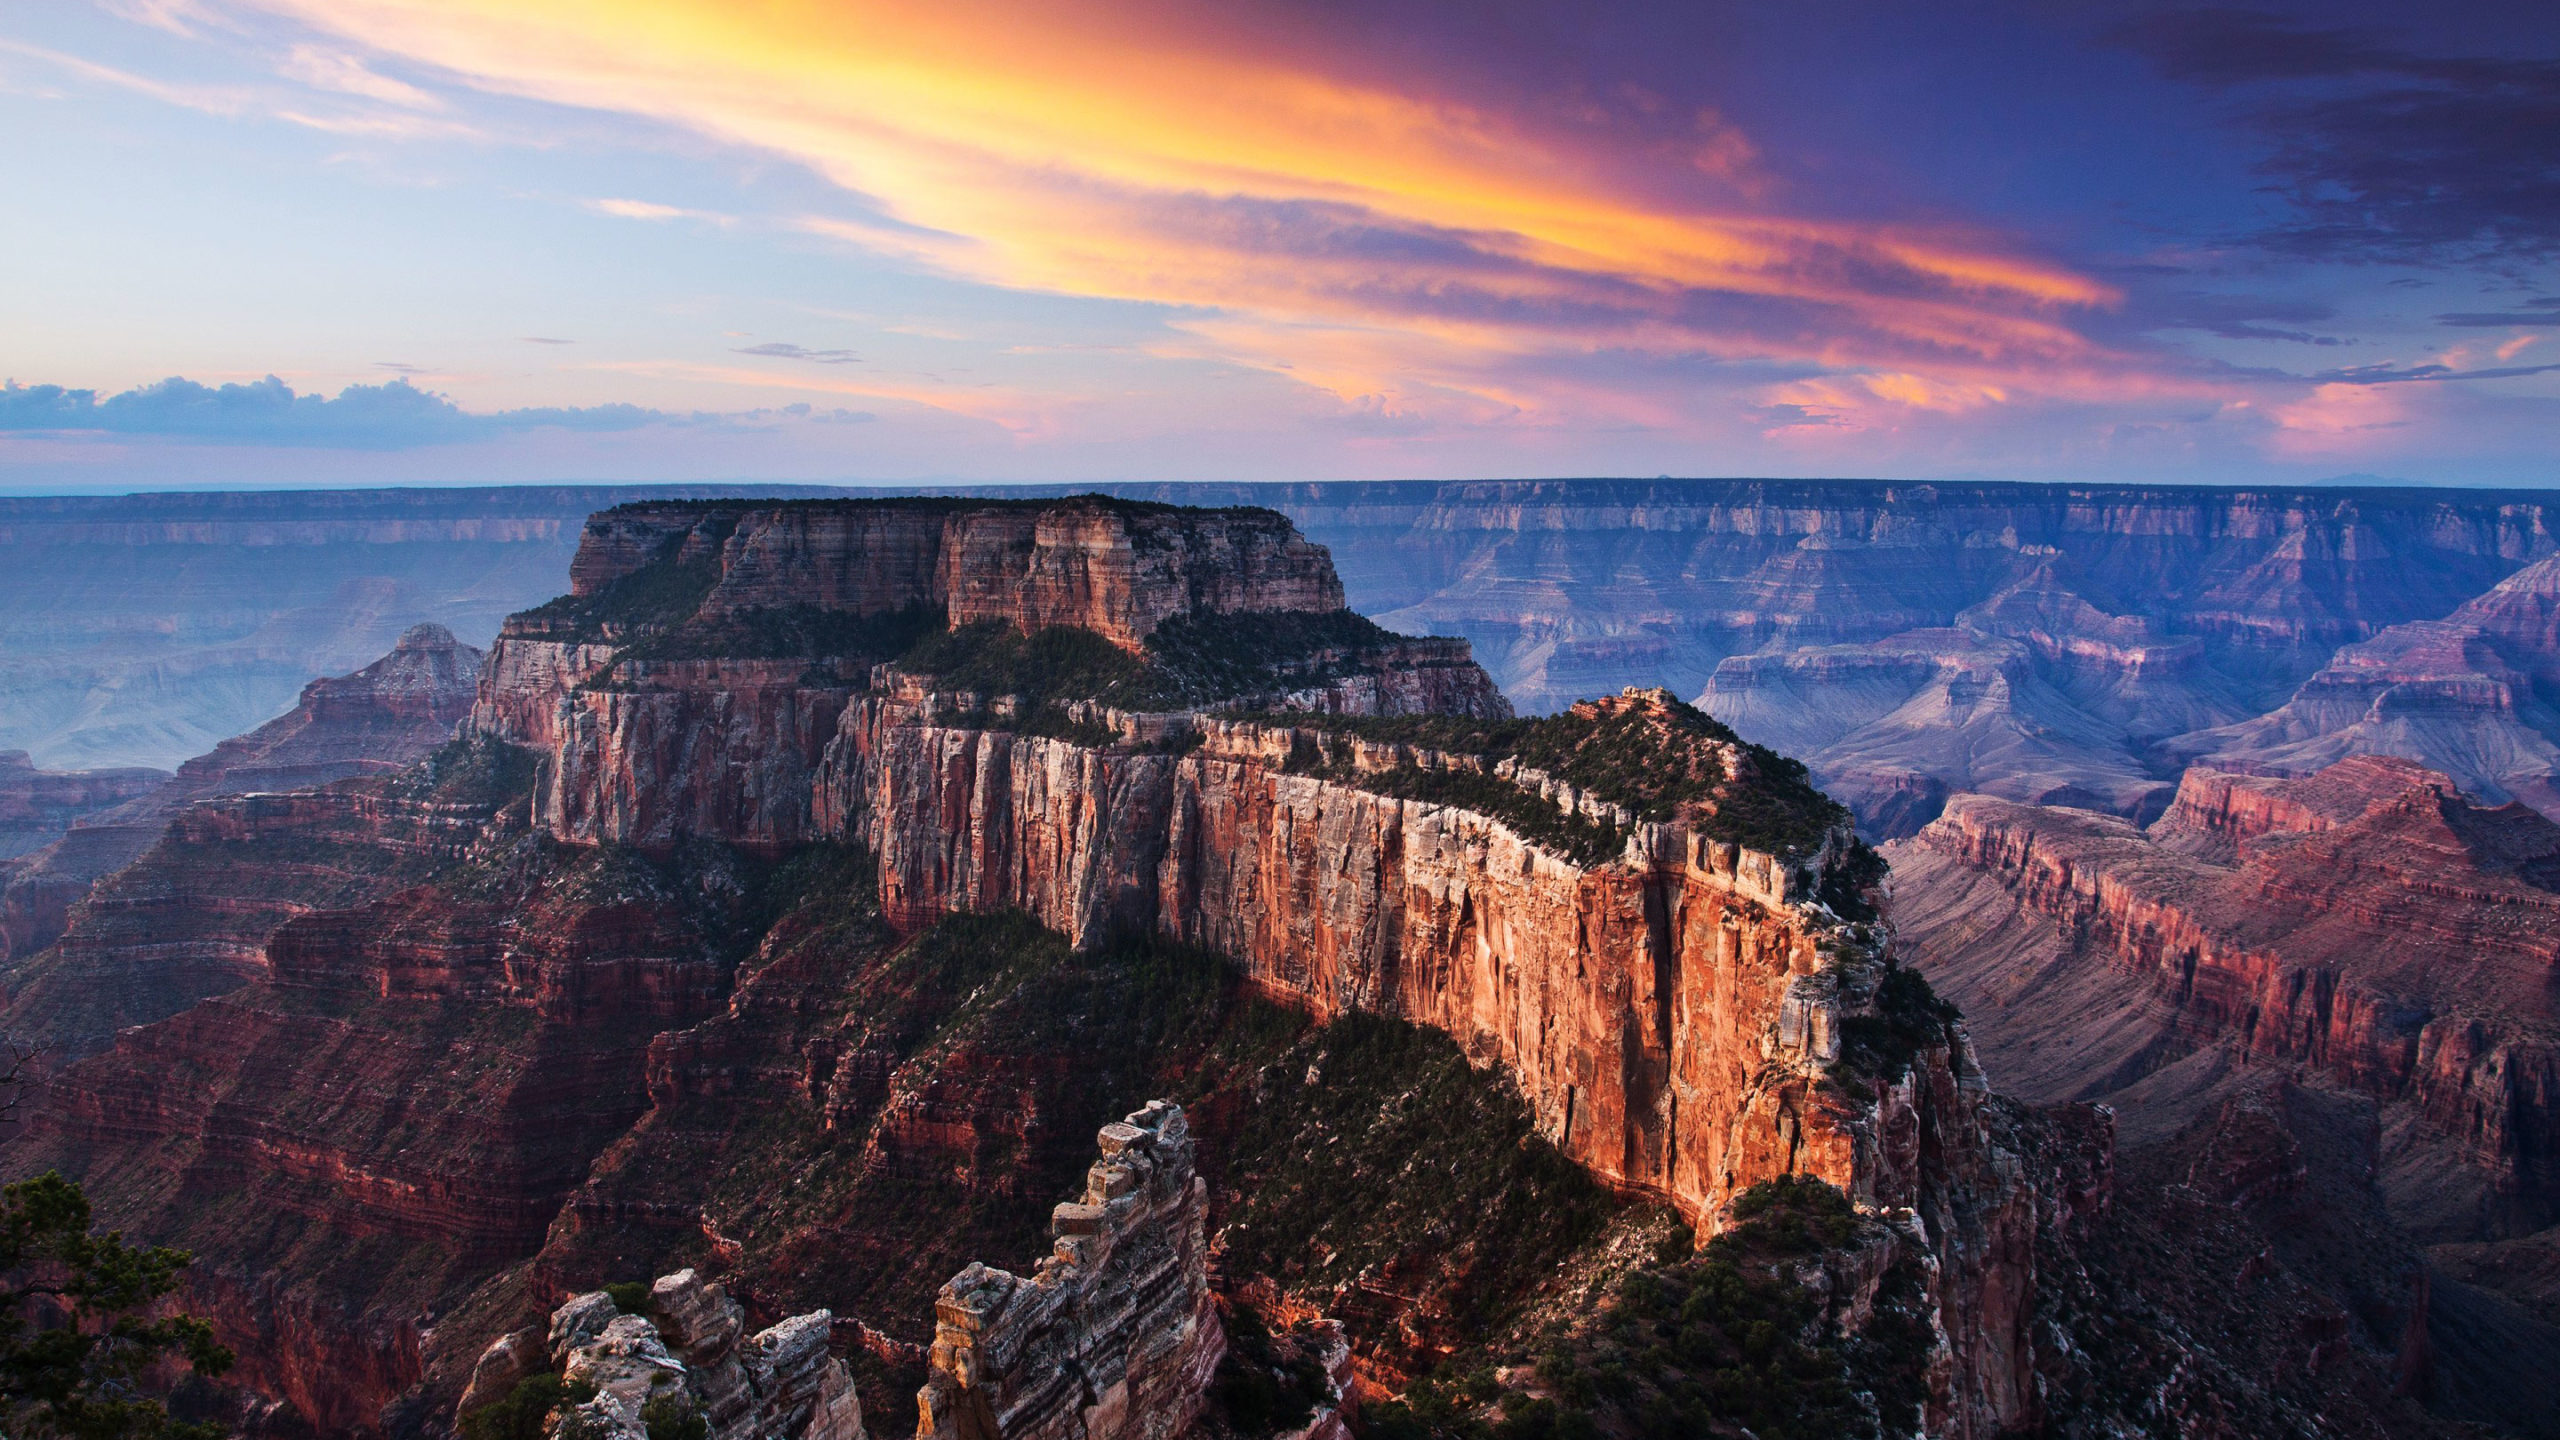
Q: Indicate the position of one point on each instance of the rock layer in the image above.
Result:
(691, 1355)
(1112, 567)
(1113, 1336)
(2370, 923)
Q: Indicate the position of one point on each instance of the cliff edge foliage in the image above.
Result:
(1644, 754)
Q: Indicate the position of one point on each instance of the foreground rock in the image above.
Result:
(688, 1356)
(1112, 1337)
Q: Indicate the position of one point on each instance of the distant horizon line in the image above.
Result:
(747, 488)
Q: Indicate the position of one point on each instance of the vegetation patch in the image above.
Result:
(1533, 817)
(1720, 1342)
(1907, 1018)
(471, 771)
(1652, 756)
(791, 632)
(1372, 1159)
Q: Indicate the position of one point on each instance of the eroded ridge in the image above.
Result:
(1112, 1336)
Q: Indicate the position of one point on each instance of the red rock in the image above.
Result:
(2370, 923)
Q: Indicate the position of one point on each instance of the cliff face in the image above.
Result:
(2369, 923)
(1672, 1018)
(1116, 569)
(1113, 1336)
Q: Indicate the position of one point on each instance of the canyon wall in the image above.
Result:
(2370, 924)
(1115, 568)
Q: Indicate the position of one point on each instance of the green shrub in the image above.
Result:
(628, 1296)
(673, 1416)
(525, 1412)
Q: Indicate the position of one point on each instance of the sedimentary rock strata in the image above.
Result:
(1112, 1336)
(688, 1355)
(1114, 568)
(2370, 923)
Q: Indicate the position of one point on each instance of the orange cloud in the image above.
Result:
(1118, 150)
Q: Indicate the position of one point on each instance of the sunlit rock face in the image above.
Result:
(1113, 568)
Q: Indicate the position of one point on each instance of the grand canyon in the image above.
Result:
(710, 992)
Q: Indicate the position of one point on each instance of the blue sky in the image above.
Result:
(443, 241)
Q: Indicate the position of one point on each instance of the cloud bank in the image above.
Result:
(396, 416)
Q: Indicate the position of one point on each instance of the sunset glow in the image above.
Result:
(1503, 240)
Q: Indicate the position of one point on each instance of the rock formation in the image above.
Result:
(2467, 695)
(381, 718)
(2369, 923)
(1113, 1336)
(689, 1354)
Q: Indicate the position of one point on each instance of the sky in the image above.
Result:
(334, 242)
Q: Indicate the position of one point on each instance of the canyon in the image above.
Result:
(2068, 644)
(2356, 963)
(807, 886)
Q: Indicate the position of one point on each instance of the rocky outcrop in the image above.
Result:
(1113, 1336)
(690, 1355)
(2370, 923)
